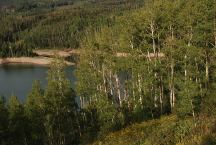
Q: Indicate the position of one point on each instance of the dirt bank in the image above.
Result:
(30, 60)
(52, 52)
(69, 52)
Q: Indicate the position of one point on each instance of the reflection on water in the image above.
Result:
(17, 79)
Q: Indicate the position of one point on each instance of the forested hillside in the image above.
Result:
(156, 60)
(145, 75)
(27, 25)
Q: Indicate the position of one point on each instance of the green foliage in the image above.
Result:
(17, 122)
(35, 115)
(48, 116)
(167, 130)
(52, 24)
(60, 109)
(3, 121)
(108, 117)
(185, 104)
(183, 129)
(208, 140)
(136, 63)
(154, 60)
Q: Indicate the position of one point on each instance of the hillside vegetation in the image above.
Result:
(145, 86)
(160, 90)
(167, 131)
(30, 24)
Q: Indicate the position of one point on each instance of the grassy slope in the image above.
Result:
(165, 131)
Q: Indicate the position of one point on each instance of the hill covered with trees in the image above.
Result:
(145, 75)
(167, 67)
(27, 25)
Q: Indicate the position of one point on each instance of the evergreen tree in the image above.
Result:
(60, 108)
(35, 115)
(17, 122)
(3, 122)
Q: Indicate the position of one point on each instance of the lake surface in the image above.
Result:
(16, 79)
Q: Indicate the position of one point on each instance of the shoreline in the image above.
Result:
(43, 61)
(45, 57)
(53, 52)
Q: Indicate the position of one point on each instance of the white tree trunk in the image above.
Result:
(152, 26)
(207, 69)
(161, 94)
(118, 89)
(139, 88)
(172, 89)
(104, 79)
(110, 83)
(185, 71)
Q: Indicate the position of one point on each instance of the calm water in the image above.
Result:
(17, 79)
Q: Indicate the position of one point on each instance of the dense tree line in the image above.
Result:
(48, 116)
(158, 60)
(23, 5)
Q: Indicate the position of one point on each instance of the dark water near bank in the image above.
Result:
(17, 79)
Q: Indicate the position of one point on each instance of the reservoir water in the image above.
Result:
(16, 79)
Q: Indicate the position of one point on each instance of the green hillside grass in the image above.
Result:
(165, 131)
